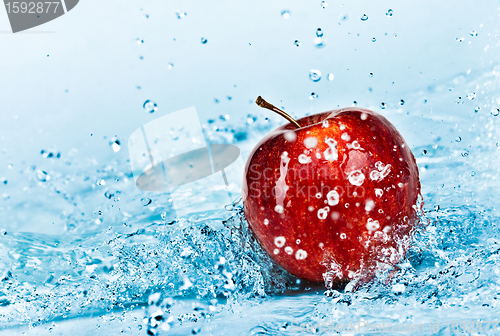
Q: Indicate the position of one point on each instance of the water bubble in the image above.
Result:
(146, 201)
(473, 33)
(115, 144)
(424, 151)
(313, 96)
(465, 153)
(150, 106)
(304, 159)
(472, 173)
(319, 32)
(372, 225)
(204, 40)
(356, 177)
(458, 139)
(333, 197)
(471, 95)
(180, 14)
(285, 14)
(288, 250)
(389, 12)
(460, 39)
(319, 42)
(401, 102)
(477, 109)
(371, 74)
(315, 75)
(170, 65)
(374, 39)
(139, 41)
(42, 176)
(383, 105)
(323, 212)
(364, 17)
(330, 77)
(297, 43)
(324, 4)
(343, 236)
(495, 111)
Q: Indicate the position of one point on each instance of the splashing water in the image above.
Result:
(115, 258)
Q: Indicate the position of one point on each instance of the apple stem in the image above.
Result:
(262, 103)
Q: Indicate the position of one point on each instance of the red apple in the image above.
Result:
(333, 198)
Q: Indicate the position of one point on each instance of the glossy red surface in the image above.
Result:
(333, 198)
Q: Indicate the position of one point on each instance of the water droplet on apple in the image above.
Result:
(266, 221)
(343, 236)
(356, 177)
(310, 208)
(345, 137)
(325, 124)
(310, 142)
(370, 204)
(323, 212)
(372, 225)
(335, 215)
(297, 43)
(304, 159)
(297, 241)
(279, 209)
(364, 116)
(300, 255)
(290, 136)
(364, 17)
(378, 192)
(333, 197)
(318, 195)
(289, 250)
(285, 14)
(150, 106)
(315, 75)
(276, 251)
(321, 245)
(331, 152)
(279, 241)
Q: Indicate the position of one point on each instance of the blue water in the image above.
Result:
(85, 252)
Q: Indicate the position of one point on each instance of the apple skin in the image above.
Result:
(335, 198)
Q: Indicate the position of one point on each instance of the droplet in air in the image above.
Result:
(371, 74)
(401, 102)
(471, 95)
(473, 33)
(150, 106)
(204, 40)
(458, 139)
(42, 176)
(330, 77)
(364, 17)
(460, 39)
(146, 201)
(319, 42)
(495, 111)
(465, 153)
(115, 144)
(285, 14)
(180, 14)
(313, 96)
(374, 39)
(319, 32)
(477, 109)
(297, 43)
(383, 105)
(170, 65)
(324, 4)
(146, 16)
(389, 12)
(315, 75)
(140, 41)
(472, 173)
